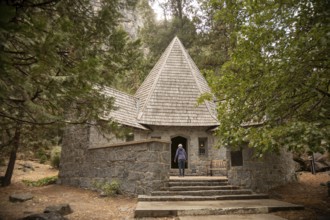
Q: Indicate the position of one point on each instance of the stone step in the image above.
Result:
(198, 179)
(234, 217)
(195, 208)
(198, 187)
(202, 192)
(202, 198)
(198, 183)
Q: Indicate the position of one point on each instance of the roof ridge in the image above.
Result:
(156, 79)
(187, 56)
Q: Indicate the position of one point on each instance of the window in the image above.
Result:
(202, 146)
(129, 137)
(236, 158)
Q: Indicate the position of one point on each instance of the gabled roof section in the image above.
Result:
(169, 94)
(126, 108)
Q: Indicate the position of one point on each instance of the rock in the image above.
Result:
(297, 167)
(63, 209)
(103, 194)
(27, 166)
(22, 197)
(124, 209)
(45, 216)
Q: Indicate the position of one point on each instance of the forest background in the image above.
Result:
(267, 63)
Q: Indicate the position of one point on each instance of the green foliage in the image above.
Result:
(158, 35)
(52, 56)
(274, 90)
(110, 189)
(42, 155)
(41, 182)
(55, 157)
(43, 159)
(212, 46)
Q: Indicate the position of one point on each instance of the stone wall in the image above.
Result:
(140, 167)
(97, 139)
(263, 174)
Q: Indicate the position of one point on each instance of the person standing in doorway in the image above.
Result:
(181, 155)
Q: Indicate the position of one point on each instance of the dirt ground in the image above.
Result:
(307, 192)
(87, 204)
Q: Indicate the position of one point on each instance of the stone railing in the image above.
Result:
(139, 166)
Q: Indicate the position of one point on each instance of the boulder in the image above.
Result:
(321, 162)
(21, 197)
(45, 216)
(26, 166)
(63, 209)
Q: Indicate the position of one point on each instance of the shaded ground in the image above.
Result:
(308, 192)
(87, 204)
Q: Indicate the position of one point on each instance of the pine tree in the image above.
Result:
(55, 56)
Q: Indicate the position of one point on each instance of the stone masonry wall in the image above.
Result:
(196, 164)
(96, 139)
(263, 174)
(139, 167)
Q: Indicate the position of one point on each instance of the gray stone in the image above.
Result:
(45, 216)
(124, 209)
(27, 167)
(21, 197)
(103, 194)
(263, 174)
(63, 209)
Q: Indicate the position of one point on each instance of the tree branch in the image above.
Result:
(322, 92)
(36, 94)
(9, 141)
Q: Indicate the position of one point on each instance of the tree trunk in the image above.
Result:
(11, 164)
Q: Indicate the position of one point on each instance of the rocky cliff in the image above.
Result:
(134, 15)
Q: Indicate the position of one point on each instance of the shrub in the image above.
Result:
(41, 182)
(109, 189)
(55, 157)
(42, 155)
(43, 159)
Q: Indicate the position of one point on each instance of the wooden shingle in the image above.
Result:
(125, 108)
(169, 94)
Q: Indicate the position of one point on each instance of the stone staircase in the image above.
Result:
(205, 196)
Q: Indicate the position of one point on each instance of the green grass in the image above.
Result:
(109, 188)
(41, 182)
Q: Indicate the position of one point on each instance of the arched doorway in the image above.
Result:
(175, 142)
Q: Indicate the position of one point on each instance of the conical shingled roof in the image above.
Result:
(169, 94)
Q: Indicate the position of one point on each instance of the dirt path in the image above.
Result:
(87, 204)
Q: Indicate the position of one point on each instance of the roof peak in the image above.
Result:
(169, 94)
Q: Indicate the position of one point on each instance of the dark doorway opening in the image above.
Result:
(175, 142)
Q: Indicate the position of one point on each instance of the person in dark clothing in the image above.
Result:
(181, 155)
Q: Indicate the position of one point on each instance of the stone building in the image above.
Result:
(163, 113)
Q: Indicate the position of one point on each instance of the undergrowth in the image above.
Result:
(109, 189)
(41, 182)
